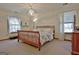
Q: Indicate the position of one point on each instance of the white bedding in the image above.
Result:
(45, 36)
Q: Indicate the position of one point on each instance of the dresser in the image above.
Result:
(75, 43)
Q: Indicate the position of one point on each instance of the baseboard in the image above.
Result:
(10, 38)
(56, 38)
(66, 40)
(4, 39)
(13, 37)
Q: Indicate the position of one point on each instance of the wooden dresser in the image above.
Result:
(75, 43)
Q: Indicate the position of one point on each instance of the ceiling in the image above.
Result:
(38, 7)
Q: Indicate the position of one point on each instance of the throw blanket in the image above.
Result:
(45, 36)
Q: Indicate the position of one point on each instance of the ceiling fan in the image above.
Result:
(32, 13)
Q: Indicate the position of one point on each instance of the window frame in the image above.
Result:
(13, 24)
(69, 23)
(74, 20)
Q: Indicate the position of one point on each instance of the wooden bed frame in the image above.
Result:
(37, 43)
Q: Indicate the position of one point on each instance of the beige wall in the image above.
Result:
(53, 18)
(3, 23)
(50, 18)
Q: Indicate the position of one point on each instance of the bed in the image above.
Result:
(37, 37)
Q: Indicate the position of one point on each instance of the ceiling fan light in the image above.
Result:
(35, 20)
(31, 12)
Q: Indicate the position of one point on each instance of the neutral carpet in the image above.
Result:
(55, 47)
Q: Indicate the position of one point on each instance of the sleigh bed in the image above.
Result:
(37, 37)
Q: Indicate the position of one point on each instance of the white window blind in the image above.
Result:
(14, 24)
(69, 21)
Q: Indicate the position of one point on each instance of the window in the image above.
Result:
(14, 24)
(68, 27)
(68, 22)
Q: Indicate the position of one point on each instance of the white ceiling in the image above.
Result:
(38, 7)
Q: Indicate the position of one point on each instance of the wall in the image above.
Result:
(50, 18)
(53, 18)
(4, 34)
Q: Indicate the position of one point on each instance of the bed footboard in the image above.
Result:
(30, 37)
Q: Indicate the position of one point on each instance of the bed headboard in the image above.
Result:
(46, 27)
(52, 28)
